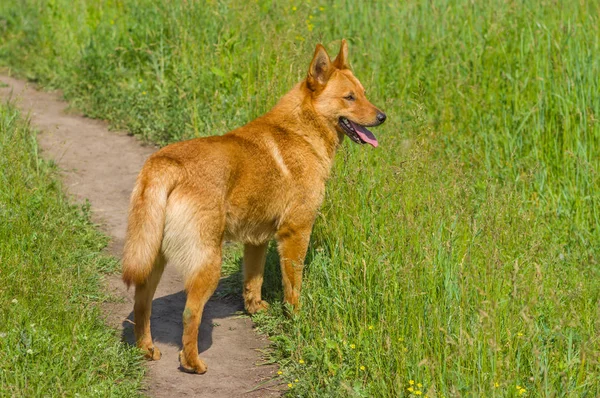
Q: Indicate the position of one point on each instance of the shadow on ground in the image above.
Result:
(166, 322)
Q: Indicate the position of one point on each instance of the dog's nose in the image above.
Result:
(381, 117)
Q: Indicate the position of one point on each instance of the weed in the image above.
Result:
(53, 340)
(468, 240)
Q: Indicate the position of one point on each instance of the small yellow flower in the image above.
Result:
(519, 334)
(279, 372)
(311, 16)
(290, 385)
(418, 392)
(410, 389)
(301, 361)
(294, 8)
(140, 80)
(112, 22)
(370, 327)
(419, 385)
(352, 346)
(143, 93)
(411, 382)
(362, 367)
(522, 391)
(296, 381)
(518, 387)
(321, 8)
(496, 385)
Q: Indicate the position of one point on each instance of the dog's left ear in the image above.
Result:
(341, 61)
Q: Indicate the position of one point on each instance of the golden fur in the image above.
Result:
(261, 181)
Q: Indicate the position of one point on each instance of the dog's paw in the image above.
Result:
(151, 353)
(196, 365)
(256, 305)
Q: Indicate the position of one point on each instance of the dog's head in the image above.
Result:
(339, 97)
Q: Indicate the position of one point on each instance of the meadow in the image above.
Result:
(53, 341)
(460, 258)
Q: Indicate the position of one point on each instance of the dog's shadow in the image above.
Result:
(166, 319)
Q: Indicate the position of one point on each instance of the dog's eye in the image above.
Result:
(350, 97)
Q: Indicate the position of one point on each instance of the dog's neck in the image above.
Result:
(297, 109)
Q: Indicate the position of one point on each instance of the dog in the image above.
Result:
(261, 181)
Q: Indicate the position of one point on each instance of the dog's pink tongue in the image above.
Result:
(365, 135)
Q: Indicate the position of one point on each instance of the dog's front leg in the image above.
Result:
(292, 245)
(254, 267)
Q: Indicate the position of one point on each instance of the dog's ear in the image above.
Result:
(341, 61)
(320, 69)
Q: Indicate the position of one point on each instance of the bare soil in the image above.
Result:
(101, 166)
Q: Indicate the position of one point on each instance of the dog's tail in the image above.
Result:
(146, 222)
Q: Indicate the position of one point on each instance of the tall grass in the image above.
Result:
(53, 341)
(463, 253)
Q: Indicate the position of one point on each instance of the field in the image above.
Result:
(460, 258)
(53, 341)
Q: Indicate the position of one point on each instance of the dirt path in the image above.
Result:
(102, 165)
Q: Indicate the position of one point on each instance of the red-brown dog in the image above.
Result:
(261, 181)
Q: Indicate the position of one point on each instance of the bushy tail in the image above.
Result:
(146, 222)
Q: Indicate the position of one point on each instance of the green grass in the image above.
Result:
(463, 252)
(53, 341)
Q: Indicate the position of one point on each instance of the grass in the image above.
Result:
(462, 254)
(53, 341)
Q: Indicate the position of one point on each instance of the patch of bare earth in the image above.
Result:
(101, 166)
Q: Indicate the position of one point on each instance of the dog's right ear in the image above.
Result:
(320, 69)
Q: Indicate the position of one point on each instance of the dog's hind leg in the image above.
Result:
(143, 308)
(199, 286)
(254, 267)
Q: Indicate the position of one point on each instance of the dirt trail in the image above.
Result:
(101, 166)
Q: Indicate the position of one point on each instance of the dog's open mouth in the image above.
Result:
(357, 133)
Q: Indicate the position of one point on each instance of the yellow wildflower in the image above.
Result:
(411, 382)
(419, 385)
(352, 346)
(411, 389)
(370, 327)
(418, 392)
(321, 8)
(296, 381)
(279, 372)
(301, 361)
(294, 8)
(362, 367)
